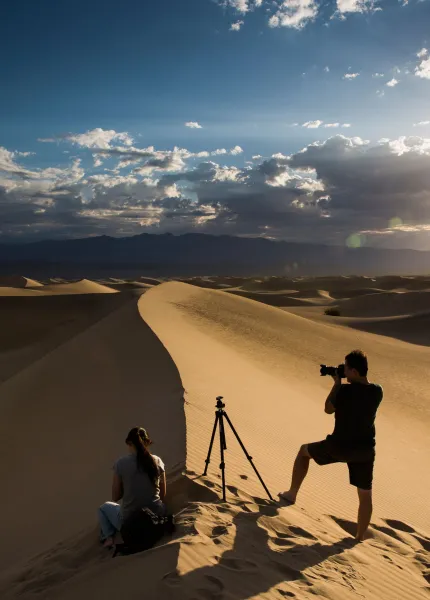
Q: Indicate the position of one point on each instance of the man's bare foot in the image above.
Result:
(289, 497)
(108, 543)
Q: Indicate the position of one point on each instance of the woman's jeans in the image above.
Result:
(109, 519)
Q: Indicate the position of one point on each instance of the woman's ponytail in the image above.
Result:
(145, 461)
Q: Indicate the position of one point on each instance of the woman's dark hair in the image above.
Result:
(145, 461)
(357, 360)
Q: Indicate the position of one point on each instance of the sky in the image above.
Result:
(293, 120)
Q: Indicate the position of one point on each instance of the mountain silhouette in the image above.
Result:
(201, 254)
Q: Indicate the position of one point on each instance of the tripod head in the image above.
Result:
(219, 403)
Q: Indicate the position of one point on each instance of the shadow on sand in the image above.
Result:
(251, 567)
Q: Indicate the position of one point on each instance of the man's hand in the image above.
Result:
(337, 380)
(329, 407)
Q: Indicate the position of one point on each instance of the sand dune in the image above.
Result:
(84, 286)
(12, 291)
(63, 422)
(72, 406)
(414, 329)
(280, 298)
(32, 327)
(150, 280)
(354, 292)
(18, 282)
(281, 406)
(386, 304)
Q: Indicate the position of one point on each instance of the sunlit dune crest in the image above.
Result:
(83, 361)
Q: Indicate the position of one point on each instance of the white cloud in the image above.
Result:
(236, 26)
(422, 124)
(94, 138)
(351, 6)
(380, 93)
(312, 124)
(193, 125)
(97, 160)
(327, 69)
(240, 5)
(392, 82)
(7, 162)
(257, 157)
(377, 75)
(294, 13)
(332, 125)
(99, 138)
(423, 69)
(351, 75)
(346, 125)
(423, 52)
(236, 150)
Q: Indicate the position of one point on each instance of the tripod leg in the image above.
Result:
(208, 459)
(247, 455)
(222, 448)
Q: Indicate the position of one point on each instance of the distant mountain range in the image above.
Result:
(191, 254)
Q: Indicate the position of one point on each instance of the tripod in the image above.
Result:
(219, 420)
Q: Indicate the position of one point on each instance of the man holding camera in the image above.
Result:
(354, 405)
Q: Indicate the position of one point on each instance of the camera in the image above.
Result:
(332, 371)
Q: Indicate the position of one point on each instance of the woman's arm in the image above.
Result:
(117, 489)
(163, 486)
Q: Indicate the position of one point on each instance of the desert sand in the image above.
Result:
(82, 362)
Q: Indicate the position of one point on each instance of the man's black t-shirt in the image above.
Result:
(356, 405)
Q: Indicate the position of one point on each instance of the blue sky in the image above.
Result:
(268, 77)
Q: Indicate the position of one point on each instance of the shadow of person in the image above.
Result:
(252, 566)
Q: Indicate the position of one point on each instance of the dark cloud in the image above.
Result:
(324, 193)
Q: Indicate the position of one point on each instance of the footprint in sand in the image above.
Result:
(302, 532)
(279, 541)
(286, 594)
(213, 591)
(425, 543)
(287, 572)
(233, 490)
(400, 526)
(245, 477)
(238, 564)
(209, 483)
(172, 578)
(218, 531)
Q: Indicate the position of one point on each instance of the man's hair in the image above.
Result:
(357, 360)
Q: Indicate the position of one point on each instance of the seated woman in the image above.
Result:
(139, 480)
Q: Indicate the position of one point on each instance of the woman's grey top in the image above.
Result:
(139, 490)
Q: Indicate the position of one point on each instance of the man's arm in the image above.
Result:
(330, 401)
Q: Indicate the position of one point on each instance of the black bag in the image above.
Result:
(142, 530)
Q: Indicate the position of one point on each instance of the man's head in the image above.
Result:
(356, 366)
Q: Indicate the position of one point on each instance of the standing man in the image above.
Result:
(354, 405)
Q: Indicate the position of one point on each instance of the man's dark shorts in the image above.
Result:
(360, 461)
